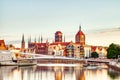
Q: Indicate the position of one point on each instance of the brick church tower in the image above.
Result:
(58, 36)
(23, 43)
(80, 37)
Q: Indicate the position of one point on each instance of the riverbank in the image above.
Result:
(114, 65)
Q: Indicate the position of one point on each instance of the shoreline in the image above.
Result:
(114, 67)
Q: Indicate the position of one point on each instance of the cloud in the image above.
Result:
(103, 37)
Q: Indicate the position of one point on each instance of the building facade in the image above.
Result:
(59, 47)
(38, 47)
(69, 49)
(2, 45)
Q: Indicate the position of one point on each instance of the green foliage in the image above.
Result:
(94, 55)
(113, 51)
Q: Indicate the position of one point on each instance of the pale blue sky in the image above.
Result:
(45, 17)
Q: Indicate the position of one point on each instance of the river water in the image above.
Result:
(58, 72)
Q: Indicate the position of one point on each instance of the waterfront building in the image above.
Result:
(74, 50)
(38, 47)
(77, 49)
(59, 47)
(42, 48)
(101, 50)
(69, 49)
(2, 45)
(10, 47)
(87, 50)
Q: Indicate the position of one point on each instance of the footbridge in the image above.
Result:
(6, 56)
(63, 59)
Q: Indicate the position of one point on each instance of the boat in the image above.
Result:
(8, 58)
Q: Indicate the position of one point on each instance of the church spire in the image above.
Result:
(35, 40)
(23, 38)
(41, 39)
(80, 28)
(64, 38)
(30, 39)
(23, 43)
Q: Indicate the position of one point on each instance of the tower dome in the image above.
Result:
(80, 37)
(58, 36)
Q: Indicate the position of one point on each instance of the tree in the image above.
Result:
(94, 55)
(113, 51)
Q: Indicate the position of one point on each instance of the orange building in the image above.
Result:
(2, 45)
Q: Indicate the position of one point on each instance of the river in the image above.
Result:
(58, 72)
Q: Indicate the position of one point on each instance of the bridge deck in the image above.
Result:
(49, 57)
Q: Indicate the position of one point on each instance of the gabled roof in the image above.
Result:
(80, 33)
(39, 44)
(1, 41)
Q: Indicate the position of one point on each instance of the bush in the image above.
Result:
(113, 51)
(94, 55)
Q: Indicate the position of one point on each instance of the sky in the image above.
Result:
(44, 17)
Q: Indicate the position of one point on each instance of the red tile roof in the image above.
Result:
(1, 41)
(62, 43)
(80, 33)
(58, 32)
(93, 48)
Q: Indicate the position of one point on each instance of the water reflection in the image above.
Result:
(114, 75)
(57, 73)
